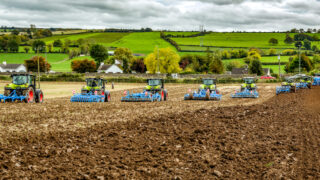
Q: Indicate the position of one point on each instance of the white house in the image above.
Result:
(118, 62)
(107, 68)
(4, 67)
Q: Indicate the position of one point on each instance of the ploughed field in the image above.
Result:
(269, 137)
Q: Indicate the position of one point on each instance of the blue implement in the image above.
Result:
(13, 96)
(316, 81)
(203, 95)
(246, 93)
(145, 96)
(283, 89)
(88, 97)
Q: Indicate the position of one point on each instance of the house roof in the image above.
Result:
(104, 67)
(239, 71)
(10, 66)
(266, 70)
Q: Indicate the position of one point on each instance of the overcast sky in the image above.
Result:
(216, 15)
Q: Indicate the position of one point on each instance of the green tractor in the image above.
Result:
(308, 80)
(96, 85)
(249, 83)
(289, 83)
(208, 84)
(24, 85)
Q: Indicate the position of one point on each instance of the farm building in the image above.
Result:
(109, 68)
(4, 67)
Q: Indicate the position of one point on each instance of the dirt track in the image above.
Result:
(269, 137)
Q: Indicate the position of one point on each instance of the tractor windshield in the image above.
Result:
(20, 80)
(154, 82)
(94, 82)
(249, 81)
(208, 81)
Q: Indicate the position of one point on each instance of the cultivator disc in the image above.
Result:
(89, 97)
(141, 97)
(203, 95)
(302, 85)
(13, 96)
(246, 94)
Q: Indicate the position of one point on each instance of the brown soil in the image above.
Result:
(270, 137)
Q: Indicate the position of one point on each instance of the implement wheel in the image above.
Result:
(30, 95)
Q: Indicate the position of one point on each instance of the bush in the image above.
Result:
(272, 52)
(32, 64)
(255, 67)
(64, 77)
(288, 52)
(273, 41)
(225, 55)
(82, 66)
(233, 64)
(293, 65)
(235, 54)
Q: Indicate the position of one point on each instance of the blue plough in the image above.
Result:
(283, 89)
(316, 81)
(13, 96)
(203, 95)
(88, 97)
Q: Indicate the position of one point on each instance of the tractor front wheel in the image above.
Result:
(39, 96)
(30, 95)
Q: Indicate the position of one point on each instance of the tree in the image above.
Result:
(83, 66)
(273, 41)
(186, 60)
(38, 45)
(167, 59)
(49, 48)
(233, 64)
(298, 44)
(99, 53)
(74, 53)
(252, 55)
(138, 65)
(225, 54)
(289, 39)
(13, 45)
(307, 44)
(255, 67)
(57, 43)
(32, 64)
(26, 49)
(125, 55)
(15, 32)
(216, 66)
(293, 65)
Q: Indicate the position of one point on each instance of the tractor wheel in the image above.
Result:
(293, 89)
(207, 95)
(39, 96)
(309, 85)
(162, 96)
(83, 91)
(30, 95)
(191, 96)
(7, 92)
(107, 96)
(165, 95)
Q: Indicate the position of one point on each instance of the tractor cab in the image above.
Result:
(306, 79)
(248, 83)
(155, 85)
(289, 82)
(21, 82)
(208, 84)
(94, 84)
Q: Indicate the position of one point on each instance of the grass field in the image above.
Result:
(237, 40)
(58, 62)
(142, 42)
(101, 38)
(181, 33)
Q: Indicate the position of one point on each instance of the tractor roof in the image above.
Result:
(95, 78)
(209, 79)
(22, 74)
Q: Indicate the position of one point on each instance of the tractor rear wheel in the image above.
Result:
(7, 92)
(309, 85)
(107, 96)
(39, 96)
(191, 96)
(165, 95)
(30, 95)
(293, 89)
(207, 95)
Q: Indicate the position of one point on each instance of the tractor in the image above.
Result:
(207, 91)
(306, 82)
(288, 86)
(93, 91)
(154, 91)
(316, 80)
(22, 88)
(248, 89)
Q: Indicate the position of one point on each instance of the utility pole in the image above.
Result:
(38, 48)
(299, 60)
(279, 66)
